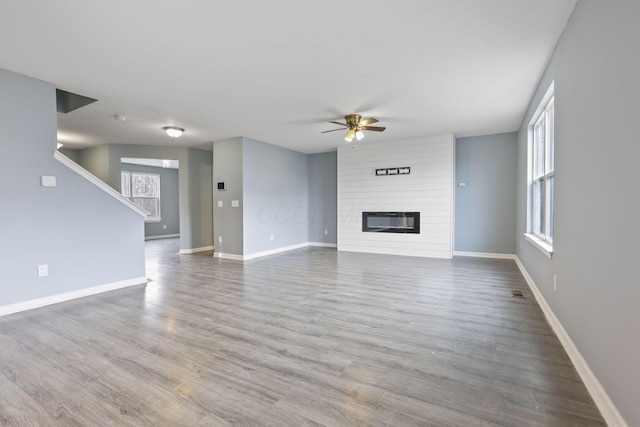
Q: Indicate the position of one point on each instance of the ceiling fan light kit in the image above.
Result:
(355, 125)
(350, 134)
(173, 132)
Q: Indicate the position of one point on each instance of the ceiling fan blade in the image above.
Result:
(374, 128)
(332, 130)
(369, 121)
(338, 123)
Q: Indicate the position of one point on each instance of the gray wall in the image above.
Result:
(485, 212)
(71, 154)
(86, 237)
(595, 67)
(323, 197)
(275, 191)
(194, 176)
(200, 197)
(227, 221)
(272, 186)
(169, 204)
(96, 161)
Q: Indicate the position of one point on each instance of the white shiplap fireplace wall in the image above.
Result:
(428, 189)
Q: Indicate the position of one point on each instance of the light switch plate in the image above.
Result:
(235, 203)
(43, 270)
(220, 203)
(48, 181)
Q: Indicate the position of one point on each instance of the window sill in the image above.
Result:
(542, 246)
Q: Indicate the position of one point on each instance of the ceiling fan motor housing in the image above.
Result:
(352, 119)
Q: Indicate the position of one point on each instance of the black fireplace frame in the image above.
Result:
(392, 228)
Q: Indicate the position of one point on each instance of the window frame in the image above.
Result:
(128, 193)
(541, 175)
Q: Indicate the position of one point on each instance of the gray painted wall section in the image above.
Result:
(276, 201)
(86, 237)
(195, 216)
(596, 253)
(227, 221)
(96, 161)
(323, 197)
(169, 204)
(71, 154)
(200, 196)
(485, 209)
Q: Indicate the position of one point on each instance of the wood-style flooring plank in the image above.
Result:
(311, 337)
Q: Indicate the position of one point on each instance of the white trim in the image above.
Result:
(602, 400)
(162, 236)
(541, 245)
(484, 255)
(550, 93)
(228, 256)
(96, 181)
(195, 250)
(54, 299)
(272, 251)
(323, 245)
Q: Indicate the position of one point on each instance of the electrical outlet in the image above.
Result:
(326, 232)
(271, 237)
(164, 226)
(219, 239)
(43, 270)
(555, 282)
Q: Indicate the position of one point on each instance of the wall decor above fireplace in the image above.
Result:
(391, 222)
(405, 170)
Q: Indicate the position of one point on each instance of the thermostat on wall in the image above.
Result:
(222, 186)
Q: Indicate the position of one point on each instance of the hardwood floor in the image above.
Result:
(311, 337)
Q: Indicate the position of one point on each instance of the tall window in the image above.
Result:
(143, 189)
(542, 176)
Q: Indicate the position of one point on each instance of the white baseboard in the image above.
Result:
(54, 299)
(195, 250)
(323, 245)
(602, 400)
(484, 255)
(162, 236)
(228, 256)
(272, 251)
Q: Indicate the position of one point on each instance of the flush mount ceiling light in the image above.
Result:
(173, 132)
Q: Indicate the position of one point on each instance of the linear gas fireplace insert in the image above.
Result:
(391, 222)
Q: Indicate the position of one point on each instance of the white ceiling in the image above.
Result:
(277, 71)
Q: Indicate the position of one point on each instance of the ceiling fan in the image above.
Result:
(355, 125)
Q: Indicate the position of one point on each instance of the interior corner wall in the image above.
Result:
(428, 189)
(485, 207)
(228, 221)
(64, 226)
(169, 203)
(200, 196)
(323, 197)
(595, 68)
(276, 197)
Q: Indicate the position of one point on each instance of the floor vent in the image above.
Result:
(517, 294)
